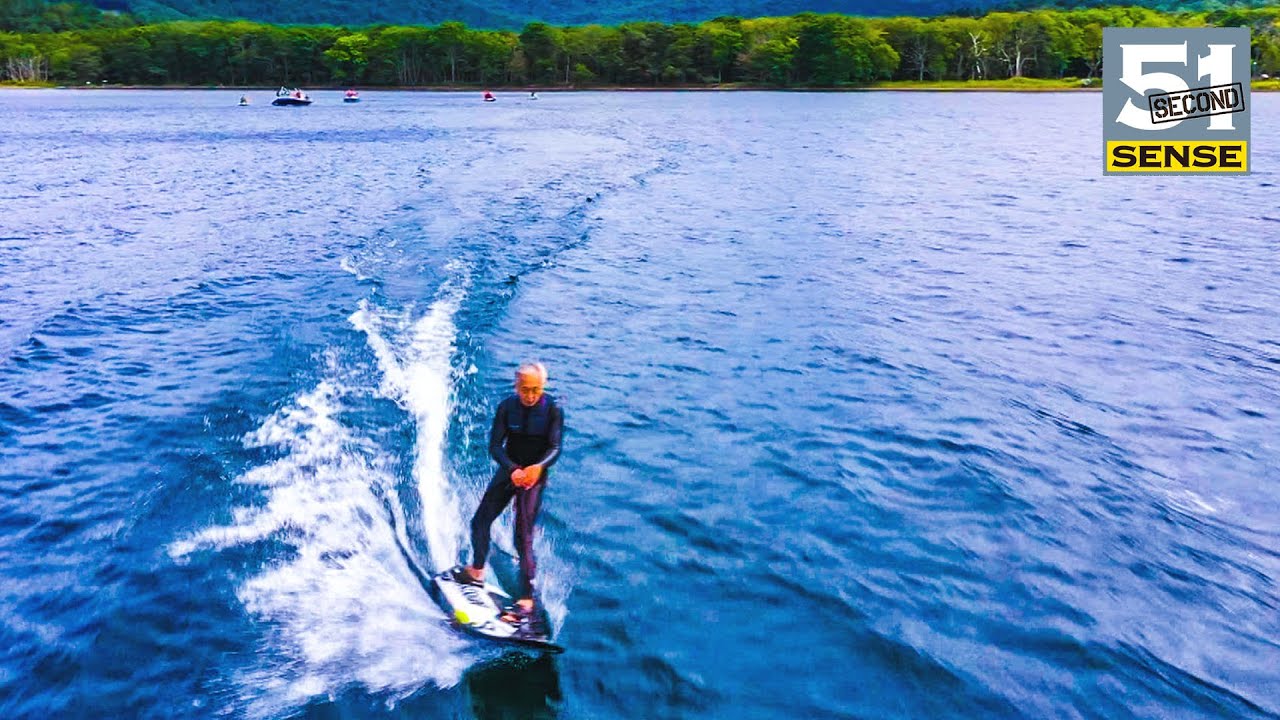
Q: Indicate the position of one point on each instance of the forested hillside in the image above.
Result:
(514, 14)
(68, 44)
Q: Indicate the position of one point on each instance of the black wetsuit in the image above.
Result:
(521, 436)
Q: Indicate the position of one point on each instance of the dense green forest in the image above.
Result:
(67, 43)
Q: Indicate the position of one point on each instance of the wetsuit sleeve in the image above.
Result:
(555, 428)
(497, 434)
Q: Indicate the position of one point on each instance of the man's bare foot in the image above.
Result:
(466, 574)
(521, 611)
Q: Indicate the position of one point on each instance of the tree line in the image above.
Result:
(75, 45)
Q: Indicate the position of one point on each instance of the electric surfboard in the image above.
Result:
(477, 609)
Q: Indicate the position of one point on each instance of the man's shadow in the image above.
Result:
(516, 685)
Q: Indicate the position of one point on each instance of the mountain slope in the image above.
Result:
(330, 12)
(513, 14)
(585, 11)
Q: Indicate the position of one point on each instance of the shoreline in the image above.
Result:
(1019, 86)
(544, 90)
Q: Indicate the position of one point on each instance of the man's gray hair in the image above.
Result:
(532, 368)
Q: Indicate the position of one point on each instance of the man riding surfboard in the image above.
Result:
(525, 442)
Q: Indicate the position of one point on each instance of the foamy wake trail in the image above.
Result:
(416, 361)
(341, 603)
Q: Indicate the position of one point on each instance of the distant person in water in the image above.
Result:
(525, 442)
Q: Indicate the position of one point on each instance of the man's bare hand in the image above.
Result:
(518, 478)
(533, 474)
(525, 478)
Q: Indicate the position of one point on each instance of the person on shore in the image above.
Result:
(525, 442)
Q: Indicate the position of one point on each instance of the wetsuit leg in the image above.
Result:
(495, 500)
(528, 502)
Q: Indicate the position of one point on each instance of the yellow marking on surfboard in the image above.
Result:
(462, 617)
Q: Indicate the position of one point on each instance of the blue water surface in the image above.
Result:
(879, 405)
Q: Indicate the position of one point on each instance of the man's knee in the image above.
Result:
(481, 519)
(524, 541)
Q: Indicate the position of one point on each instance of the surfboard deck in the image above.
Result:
(478, 610)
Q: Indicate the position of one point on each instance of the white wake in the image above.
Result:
(415, 357)
(339, 602)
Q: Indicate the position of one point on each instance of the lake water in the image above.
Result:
(879, 405)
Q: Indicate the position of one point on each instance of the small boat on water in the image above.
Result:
(488, 96)
(351, 97)
(294, 96)
(244, 101)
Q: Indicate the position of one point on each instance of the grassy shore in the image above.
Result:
(1008, 85)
